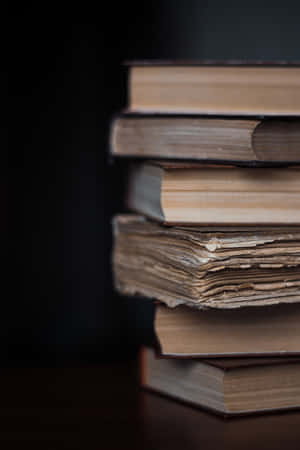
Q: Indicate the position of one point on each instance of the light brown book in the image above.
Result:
(206, 267)
(206, 139)
(267, 331)
(227, 386)
(182, 193)
(225, 89)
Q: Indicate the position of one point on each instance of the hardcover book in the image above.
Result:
(227, 386)
(211, 87)
(248, 141)
(182, 193)
(266, 331)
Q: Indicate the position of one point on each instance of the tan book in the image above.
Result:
(225, 89)
(206, 139)
(227, 386)
(182, 193)
(267, 331)
(207, 267)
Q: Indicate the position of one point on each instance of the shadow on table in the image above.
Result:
(167, 423)
(102, 407)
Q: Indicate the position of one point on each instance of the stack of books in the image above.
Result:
(213, 175)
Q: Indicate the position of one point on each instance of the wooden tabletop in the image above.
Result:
(102, 408)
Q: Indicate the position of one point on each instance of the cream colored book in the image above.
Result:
(221, 267)
(266, 331)
(224, 89)
(179, 193)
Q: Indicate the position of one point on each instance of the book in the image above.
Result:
(227, 386)
(266, 331)
(215, 88)
(184, 193)
(230, 140)
(206, 267)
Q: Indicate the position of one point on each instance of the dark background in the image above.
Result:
(66, 81)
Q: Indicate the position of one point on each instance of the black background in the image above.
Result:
(66, 81)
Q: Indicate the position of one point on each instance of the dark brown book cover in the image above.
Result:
(212, 62)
